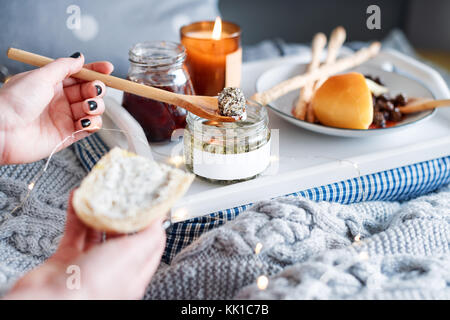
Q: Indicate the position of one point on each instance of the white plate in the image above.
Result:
(397, 83)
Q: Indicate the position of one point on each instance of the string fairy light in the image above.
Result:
(140, 139)
(180, 214)
(258, 248)
(262, 281)
(355, 165)
(364, 255)
(176, 160)
(36, 178)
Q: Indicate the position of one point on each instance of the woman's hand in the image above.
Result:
(119, 268)
(39, 108)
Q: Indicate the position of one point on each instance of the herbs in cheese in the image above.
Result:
(121, 185)
(232, 103)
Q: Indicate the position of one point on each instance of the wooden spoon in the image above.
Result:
(202, 106)
(422, 104)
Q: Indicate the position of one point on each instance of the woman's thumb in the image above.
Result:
(63, 68)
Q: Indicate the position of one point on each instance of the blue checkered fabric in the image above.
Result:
(394, 185)
(90, 150)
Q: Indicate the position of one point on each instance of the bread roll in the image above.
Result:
(344, 101)
(125, 192)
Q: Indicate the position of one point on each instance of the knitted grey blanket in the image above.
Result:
(308, 248)
(309, 252)
(30, 235)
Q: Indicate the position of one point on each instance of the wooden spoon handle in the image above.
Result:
(424, 105)
(89, 75)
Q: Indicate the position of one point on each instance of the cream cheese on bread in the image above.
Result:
(124, 186)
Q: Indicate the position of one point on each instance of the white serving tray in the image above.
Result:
(306, 159)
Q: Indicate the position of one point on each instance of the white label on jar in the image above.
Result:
(231, 166)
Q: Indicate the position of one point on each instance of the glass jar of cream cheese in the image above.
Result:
(227, 152)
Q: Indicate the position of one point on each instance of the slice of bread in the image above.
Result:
(125, 192)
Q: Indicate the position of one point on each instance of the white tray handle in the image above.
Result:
(421, 72)
(116, 117)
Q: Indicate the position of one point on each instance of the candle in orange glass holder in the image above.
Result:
(214, 55)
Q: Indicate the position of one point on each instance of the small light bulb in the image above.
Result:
(363, 255)
(176, 160)
(179, 215)
(262, 282)
(31, 186)
(258, 248)
(357, 238)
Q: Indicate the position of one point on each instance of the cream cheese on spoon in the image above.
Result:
(232, 103)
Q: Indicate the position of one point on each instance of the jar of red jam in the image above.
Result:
(158, 64)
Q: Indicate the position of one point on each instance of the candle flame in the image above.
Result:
(217, 31)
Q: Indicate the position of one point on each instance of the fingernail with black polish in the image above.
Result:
(92, 105)
(76, 55)
(99, 90)
(85, 123)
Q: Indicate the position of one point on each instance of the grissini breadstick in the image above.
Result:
(418, 105)
(297, 82)
(337, 39)
(317, 46)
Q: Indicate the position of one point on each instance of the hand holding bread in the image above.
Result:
(125, 192)
(119, 268)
